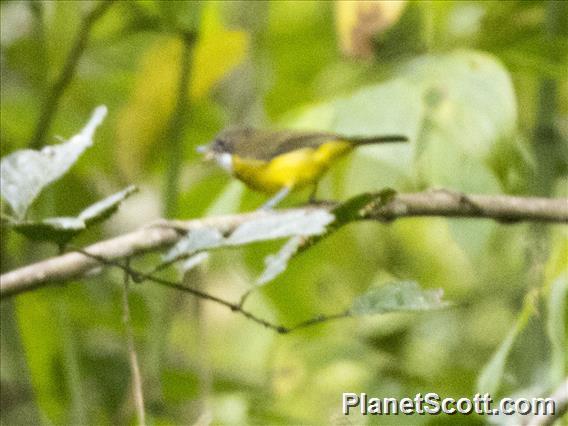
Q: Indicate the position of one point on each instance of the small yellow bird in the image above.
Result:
(278, 161)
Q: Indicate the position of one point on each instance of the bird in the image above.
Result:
(277, 162)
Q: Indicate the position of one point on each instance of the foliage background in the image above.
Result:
(481, 89)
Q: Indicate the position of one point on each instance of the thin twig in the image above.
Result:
(505, 209)
(37, 10)
(139, 276)
(132, 355)
(193, 277)
(245, 296)
(319, 320)
(548, 144)
(206, 296)
(67, 73)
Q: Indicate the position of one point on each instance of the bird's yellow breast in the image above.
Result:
(293, 169)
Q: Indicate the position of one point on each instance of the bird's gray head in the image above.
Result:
(222, 147)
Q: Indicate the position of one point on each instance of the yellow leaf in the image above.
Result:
(144, 119)
(358, 22)
(217, 52)
(147, 113)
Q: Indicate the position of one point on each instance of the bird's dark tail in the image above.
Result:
(378, 139)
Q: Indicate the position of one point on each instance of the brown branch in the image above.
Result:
(498, 207)
(158, 236)
(67, 73)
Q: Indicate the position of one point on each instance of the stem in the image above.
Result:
(547, 144)
(140, 276)
(175, 149)
(37, 11)
(204, 374)
(132, 355)
(67, 73)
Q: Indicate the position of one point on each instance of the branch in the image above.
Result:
(67, 73)
(158, 236)
(139, 276)
(502, 208)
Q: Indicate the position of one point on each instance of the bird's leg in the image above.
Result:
(280, 195)
(312, 199)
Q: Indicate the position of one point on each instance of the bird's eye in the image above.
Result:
(220, 145)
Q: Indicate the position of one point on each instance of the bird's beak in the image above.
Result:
(208, 154)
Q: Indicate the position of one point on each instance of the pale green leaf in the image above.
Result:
(468, 95)
(25, 173)
(490, 378)
(270, 227)
(282, 225)
(62, 229)
(194, 241)
(397, 297)
(275, 264)
(492, 374)
(103, 209)
(194, 261)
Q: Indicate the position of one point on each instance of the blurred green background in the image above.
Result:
(479, 87)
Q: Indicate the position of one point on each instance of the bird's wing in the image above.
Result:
(303, 140)
(268, 144)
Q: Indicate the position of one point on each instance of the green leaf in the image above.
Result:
(352, 209)
(454, 108)
(470, 105)
(469, 94)
(25, 173)
(105, 208)
(393, 107)
(490, 378)
(397, 297)
(59, 230)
